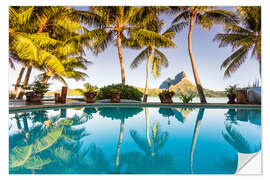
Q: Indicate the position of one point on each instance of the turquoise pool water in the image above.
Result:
(129, 140)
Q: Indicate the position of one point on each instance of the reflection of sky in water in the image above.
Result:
(212, 152)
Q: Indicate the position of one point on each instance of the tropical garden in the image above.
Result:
(54, 40)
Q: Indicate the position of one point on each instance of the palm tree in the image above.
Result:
(243, 38)
(204, 16)
(195, 136)
(116, 21)
(24, 43)
(151, 37)
(61, 26)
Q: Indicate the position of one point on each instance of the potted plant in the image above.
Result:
(36, 91)
(115, 95)
(231, 94)
(186, 98)
(241, 96)
(89, 92)
(166, 96)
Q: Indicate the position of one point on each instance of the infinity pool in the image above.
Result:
(129, 140)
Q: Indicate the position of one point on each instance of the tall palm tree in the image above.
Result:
(24, 43)
(116, 21)
(243, 38)
(150, 36)
(205, 17)
(195, 136)
(63, 25)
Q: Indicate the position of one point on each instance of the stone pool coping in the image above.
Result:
(141, 104)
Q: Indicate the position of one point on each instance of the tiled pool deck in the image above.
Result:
(21, 105)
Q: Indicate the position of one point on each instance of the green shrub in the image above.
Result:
(231, 90)
(88, 88)
(126, 92)
(186, 98)
(37, 87)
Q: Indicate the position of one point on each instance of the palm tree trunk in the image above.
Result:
(15, 90)
(147, 75)
(119, 45)
(48, 74)
(195, 135)
(119, 142)
(195, 72)
(147, 130)
(25, 82)
(19, 126)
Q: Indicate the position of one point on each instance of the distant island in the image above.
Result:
(179, 84)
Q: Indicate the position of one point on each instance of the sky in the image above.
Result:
(208, 56)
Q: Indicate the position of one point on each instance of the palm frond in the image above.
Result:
(233, 62)
(140, 58)
(59, 78)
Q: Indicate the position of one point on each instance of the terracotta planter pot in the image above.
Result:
(241, 97)
(90, 97)
(33, 97)
(166, 97)
(57, 97)
(115, 97)
(231, 99)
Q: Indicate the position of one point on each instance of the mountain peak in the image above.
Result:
(171, 82)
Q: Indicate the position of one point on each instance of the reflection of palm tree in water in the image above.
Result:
(59, 140)
(195, 136)
(233, 136)
(25, 128)
(147, 128)
(151, 161)
(166, 112)
(122, 114)
(120, 142)
(157, 140)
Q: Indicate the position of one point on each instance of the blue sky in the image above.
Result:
(105, 69)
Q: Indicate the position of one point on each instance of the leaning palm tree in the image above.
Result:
(204, 16)
(116, 21)
(244, 38)
(63, 25)
(152, 39)
(25, 44)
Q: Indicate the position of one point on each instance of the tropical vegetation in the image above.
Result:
(152, 39)
(126, 92)
(38, 87)
(87, 88)
(230, 90)
(205, 17)
(54, 40)
(50, 39)
(186, 98)
(243, 38)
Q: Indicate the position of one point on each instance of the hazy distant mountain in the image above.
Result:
(181, 84)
